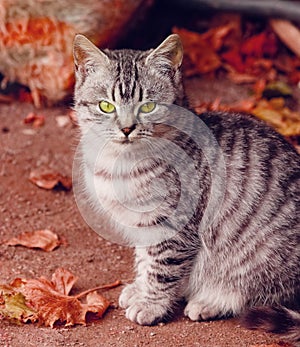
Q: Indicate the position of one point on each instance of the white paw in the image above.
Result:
(146, 313)
(139, 309)
(128, 295)
(198, 310)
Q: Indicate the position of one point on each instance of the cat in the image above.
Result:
(244, 258)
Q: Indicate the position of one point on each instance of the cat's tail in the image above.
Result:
(278, 320)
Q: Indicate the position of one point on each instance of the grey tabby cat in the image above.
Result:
(248, 259)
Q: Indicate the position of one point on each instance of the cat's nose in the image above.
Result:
(128, 130)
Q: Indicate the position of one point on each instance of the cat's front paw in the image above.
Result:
(139, 309)
(146, 313)
(128, 295)
(199, 310)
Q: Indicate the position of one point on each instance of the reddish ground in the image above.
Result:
(25, 207)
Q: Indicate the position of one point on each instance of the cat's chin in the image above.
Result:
(125, 141)
(122, 141)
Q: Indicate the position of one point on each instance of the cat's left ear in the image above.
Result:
(170, 50)
(87, 55)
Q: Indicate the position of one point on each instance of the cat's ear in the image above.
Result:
(170, 51)
(87, 55)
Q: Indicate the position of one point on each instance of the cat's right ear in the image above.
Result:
(170, 52)
(87, 56)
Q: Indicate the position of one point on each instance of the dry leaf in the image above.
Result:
(37, 120)
(51, 305)
(262, 44)
(63, 281)
(50, 180)
(44, 239)
(96, 303)
(277, 89)
(245, 60)
(49, 302)
(202, 56)
(278, 115)
(13, 306)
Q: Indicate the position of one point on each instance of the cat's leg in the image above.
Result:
(156, 289)
(210, 292)
(213, 304)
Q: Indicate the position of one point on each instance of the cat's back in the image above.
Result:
(250, 138)
(245, 125)
(262, 195)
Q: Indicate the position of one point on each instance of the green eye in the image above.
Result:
(148, 107)
(106, 106)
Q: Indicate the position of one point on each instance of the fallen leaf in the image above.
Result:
(273, 111)
(63, 281)
(276, 89)
(53, 306)
(259, 87)
(201, 55)
(50, 180)
(262, 44)
(36, 120)
(96, 304)
(13, 306)
(278, 115)
(44, 239)
(234, 58)
(241, 78)
(215, 37)
(48, 302)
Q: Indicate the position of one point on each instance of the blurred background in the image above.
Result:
(240, 56)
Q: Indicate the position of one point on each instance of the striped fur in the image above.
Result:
(249, 254)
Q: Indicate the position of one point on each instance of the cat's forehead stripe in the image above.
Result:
(125, 86)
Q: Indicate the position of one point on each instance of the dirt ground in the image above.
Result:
(25, 207)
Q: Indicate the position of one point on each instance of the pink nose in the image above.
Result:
(128, 130)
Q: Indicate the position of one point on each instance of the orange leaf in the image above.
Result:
(215, 36)
(254, 45)
(44, 239)
(53, 305)
(234, 58)
(49, 179)
(97, 304)
(199, 51)
(36, 120)
(63, 281)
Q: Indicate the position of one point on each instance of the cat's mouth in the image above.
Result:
(125, 140)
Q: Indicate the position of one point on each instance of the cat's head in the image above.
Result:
(122, 91)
